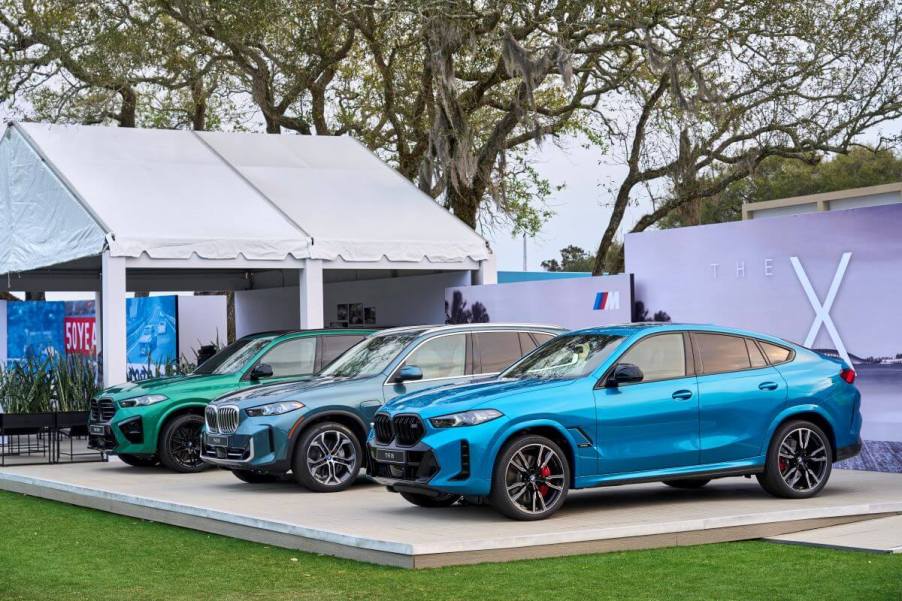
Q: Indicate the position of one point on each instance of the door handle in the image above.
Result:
(767, 386)
(682, 395)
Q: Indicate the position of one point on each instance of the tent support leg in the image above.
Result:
(311, 294)
(112, 306)
(486, 274)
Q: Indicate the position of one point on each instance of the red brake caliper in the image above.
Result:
(543, 488)
(782, 464)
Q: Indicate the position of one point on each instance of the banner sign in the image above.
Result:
(34, 329)
(572, 303)
(152, 334)
(830, 281)
(79, 334)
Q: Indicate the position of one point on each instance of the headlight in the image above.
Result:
(274, 408)
(143, 401)
(467, 418)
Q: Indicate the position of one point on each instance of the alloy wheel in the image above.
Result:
(802, 459)
(535, 478)
(185, 444)
(332, 458)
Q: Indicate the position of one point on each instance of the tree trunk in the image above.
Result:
(464, 203)
(199, 116)
(128, 110)
(607, 239)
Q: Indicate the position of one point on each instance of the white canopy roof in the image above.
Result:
(177, 194)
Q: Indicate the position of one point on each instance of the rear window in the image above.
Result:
(775, 354)
(720, 353)
(336, 344)
(755, 354)
(498, 350)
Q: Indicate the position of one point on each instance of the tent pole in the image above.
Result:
(311, 294)
(112, 304)
(487, 272)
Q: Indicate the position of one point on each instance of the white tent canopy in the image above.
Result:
(177, 194)
(115, 209)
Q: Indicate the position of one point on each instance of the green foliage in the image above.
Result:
(52, 383)
(574, 258)
(50, 550)
(779, 177)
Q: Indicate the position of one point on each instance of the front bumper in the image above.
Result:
(259, 444)
(124, 435)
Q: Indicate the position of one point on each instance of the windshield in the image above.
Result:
(371, 356)
(565, 357)
(234, 357)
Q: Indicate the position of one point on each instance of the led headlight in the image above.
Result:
(143, 401)
(466, 418)
(274, 408)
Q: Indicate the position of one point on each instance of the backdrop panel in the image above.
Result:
(830, 281)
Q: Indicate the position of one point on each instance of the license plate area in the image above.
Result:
(217, 441)
(390, 456)
(96, 430)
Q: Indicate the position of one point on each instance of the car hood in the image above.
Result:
(463, 397)
(173, 385)
(312, 392)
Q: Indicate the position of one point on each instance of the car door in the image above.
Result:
(651, 424)
(444, 359)
(739, 396)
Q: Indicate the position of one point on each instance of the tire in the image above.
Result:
(139, 460)
(688, 483)
(180, 444)
(527, 483)
(430, 502)
(327, 458)
(799, 461)
(252, 477)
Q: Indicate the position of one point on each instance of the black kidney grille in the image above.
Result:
(409, 429)
(382, 426)
(102, 409)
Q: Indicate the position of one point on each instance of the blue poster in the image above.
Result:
(34, 329)
(152, 338)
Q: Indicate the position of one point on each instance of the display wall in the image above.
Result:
(829, 281)
(572, 303)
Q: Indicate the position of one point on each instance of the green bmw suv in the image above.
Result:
(160, 420)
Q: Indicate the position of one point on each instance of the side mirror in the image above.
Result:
(625, 373)
(261, 371)
(408, 373)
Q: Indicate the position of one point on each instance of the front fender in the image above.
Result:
(514, 428)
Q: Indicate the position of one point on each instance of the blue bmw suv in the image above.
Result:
(316, 429)
(680, 404)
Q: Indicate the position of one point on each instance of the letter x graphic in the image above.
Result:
(822, 312)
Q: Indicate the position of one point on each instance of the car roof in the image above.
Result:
(647, 327)
(313, 332)
(466, 327)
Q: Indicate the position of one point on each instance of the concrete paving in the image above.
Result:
(370, 524)
(883, 535)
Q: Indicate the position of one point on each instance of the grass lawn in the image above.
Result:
(54, 551)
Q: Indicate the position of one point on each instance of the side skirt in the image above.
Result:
(696, 472)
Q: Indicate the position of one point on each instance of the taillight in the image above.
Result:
(847, 374)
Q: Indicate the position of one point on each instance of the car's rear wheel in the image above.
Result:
(688, 483)
(180, 444)
(430, 502)
(139, 460)
(799, 461)
(327, 458)
(252, 477)
(531, 478)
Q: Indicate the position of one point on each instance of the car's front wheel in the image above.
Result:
(430, 501)
(799, 461)
(327, 458)
(139, 460)
(180, 444)
(252, 477)
(531, 478)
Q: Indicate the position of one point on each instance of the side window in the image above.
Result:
(526, 342)
(442, 357)
(775, 354)
(292, 358)
(755, 354)
(659, 357)
(335, 345)
(497, 350)
(541, 338)
(721, 353)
